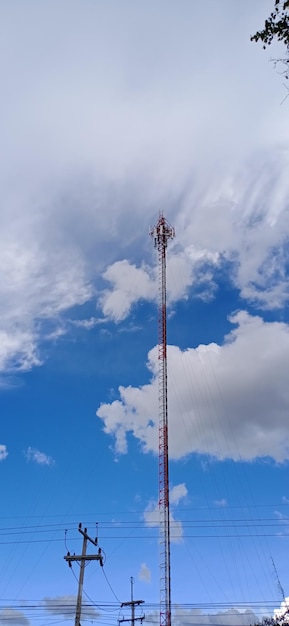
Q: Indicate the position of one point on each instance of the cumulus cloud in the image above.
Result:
(91, 155)
(144, 573)
(32, 454)
(232, 399)
(65, 606)
(37, 283)
(3, 452)
(152, 513)
(18, 350)
(221, 503)
(129, 284)
(231, 617)
(177, 493)
(88, 324)
(197, 617)
(282, 610)
(284, 525)
(152, 520)
(12, 616)
(235, 229)
(243, 218)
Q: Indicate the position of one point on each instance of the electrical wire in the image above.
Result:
(111, 589)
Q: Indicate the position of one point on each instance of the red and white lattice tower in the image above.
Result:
(161, 233)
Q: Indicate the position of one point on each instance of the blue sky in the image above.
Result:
(111, 112)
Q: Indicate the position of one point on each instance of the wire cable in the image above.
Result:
(111, 589)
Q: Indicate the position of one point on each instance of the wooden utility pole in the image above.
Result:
(133, 603)
(82, 560)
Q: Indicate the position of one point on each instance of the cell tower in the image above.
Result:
(161, 233)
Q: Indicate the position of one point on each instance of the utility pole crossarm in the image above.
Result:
(132, 603)
(78, 557)
(132, 619)
(84, 534)
(82, 558)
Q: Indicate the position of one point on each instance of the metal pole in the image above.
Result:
(161, 233)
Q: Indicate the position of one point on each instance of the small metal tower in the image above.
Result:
(161, 233)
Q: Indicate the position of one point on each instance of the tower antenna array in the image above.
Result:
(161, 233)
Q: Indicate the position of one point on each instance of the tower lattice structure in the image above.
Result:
(161, 233)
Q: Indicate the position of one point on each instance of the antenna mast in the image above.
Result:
(161, 233)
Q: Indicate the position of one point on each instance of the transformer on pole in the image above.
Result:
(161, 233)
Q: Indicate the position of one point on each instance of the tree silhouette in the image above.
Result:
(281, 620)
(276, 28)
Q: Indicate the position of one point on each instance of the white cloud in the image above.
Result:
(234, 228)
(65, 606)
(18, 349)
(284, 525)
(243, 217)
(130, 284)
(152, 513)
(196, 617)
(32, 454)
(177, 493)
(144, 573)
(231, 617)
(88, 324)
(3, 452)
(282, 610)
(221, 503)
(37, 282)
(12, 616)
(90, 156)
(152, 520)
(56, 334)
(232, 399)
(191, 266)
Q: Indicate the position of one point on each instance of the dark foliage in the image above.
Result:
(276, 25)
(275, 621)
